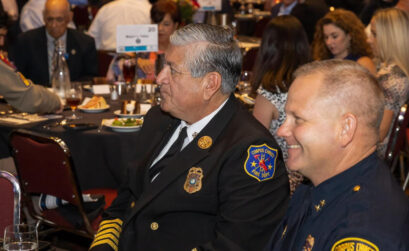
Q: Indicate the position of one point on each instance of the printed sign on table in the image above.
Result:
(137, 38)
(214, 5)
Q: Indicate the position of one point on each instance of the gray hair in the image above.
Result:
(216, 51)
(347, 84)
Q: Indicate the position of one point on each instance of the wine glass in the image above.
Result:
(244, 83)
(73, 98)
(20, 237)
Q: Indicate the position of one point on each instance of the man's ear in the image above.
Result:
(211, 85)
(348, 128)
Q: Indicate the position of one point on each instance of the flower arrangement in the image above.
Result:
(187, 9)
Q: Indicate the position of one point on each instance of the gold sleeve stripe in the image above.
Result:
(107, 231)
(119, 221)
(108, 235)
(105, 241)
(108, 226)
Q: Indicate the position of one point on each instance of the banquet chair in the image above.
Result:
(44, 166)
(397, 149)
(260, 26)
(10, 197)
(249, 58)
(104, 60)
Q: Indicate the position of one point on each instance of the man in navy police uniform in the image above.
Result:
(334, 110)
(227, 189)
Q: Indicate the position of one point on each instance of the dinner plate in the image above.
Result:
(118, 113)
(108, 123)
(93, 110)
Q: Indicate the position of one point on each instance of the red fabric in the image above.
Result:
(6, 205)
(110, 194)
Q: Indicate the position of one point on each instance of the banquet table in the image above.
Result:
(100, 155)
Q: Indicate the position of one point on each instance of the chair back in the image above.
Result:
(249, 58)
(104, 60)
(10, 197)
(260, 26)
(397, 138)
(44, 166)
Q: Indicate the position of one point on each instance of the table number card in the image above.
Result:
(214, 5)
(137, 38)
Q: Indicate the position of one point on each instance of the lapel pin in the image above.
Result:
(205, 142)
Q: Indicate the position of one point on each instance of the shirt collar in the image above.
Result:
(287, 10)
(195, 128)
(50, 39)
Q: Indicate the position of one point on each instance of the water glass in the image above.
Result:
(20, 237)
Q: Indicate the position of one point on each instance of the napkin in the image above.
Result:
(101, 89)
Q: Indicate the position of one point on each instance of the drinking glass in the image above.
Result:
(20, 237)
(244, 83)
(128, 69)
(73, 98)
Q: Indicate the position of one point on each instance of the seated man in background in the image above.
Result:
(334, 110)
(23, 95)
(208, 175)
(119, 12)
(34, 49)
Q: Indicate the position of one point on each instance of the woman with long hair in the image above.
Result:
(340, 34)
(284, 47)
(389, 40)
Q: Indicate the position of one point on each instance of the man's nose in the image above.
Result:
(163, 76)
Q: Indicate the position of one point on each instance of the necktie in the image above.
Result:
(173, 150)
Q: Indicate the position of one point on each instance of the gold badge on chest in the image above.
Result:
(193, 181)
(205, 142)
(309, 243)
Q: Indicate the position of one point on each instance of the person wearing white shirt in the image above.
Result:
(119, 12)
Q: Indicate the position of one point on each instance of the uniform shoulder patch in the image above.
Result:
(261, 162)
(25, 81)
(354, 244)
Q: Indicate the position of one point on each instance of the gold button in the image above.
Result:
(357, 188)
(194, 249)
(132, 204)
(154, 226)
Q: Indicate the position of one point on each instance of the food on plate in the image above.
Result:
(130, 107)
(96, 102)
(127, 122)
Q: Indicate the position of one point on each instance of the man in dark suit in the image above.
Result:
(307, 11)
(35, 48)
(225, 187)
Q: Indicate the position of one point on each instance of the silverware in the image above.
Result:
(100, 126)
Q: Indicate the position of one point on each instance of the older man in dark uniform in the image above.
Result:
(226, 189)
(334, 110)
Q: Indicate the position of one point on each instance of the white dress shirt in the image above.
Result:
(192, 131)
(118, 12)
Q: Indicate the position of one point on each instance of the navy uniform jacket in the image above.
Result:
(31, 58)
(362, 208)
(228, 210)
